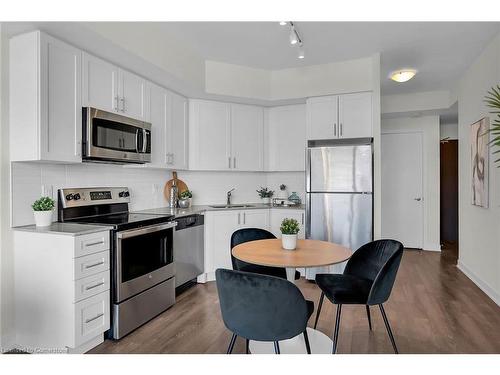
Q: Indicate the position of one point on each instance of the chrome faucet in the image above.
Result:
(229, 196)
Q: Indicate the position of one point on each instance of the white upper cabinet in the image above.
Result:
(158, 118)
(209, 135)
(45, 99)
(177, 148)
(100, 84)
(112, 89)
(355, 115)
(247, 137)
(322, 117)
(286, 138)
(224, 136)
(340, 116)
(133, 95)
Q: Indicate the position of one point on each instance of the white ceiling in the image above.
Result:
(440, 51)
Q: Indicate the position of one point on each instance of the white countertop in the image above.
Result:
(69, 229)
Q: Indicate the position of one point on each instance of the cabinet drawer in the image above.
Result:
(91, 264)
(92, 317)
(91, 285)
(91, 243)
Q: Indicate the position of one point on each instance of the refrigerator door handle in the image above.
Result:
(308, 170)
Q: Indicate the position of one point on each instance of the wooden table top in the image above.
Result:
(309, 253)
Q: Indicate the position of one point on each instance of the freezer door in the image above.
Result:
(345, 219)
(344, 168)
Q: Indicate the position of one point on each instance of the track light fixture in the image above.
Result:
(295, 39)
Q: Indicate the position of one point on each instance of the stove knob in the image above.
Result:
(123, 194)
(76, 196)
(69, 197)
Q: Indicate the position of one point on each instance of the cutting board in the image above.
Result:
(181, 186)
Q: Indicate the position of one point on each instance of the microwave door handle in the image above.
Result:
(137, 140)
(144, 141)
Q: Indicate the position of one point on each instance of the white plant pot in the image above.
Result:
(43, 218)
(266, 200)
(289, 241)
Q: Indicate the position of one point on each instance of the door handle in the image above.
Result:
(229, 160)
(417, 199)
(335, 129)
(116, 104)
(244, 217)
(234, 162)
(122, 100)
(341, 130)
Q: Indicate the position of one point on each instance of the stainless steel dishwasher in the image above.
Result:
(189, 254)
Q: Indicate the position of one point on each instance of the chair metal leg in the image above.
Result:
(369, 317)
(247, 346)
(319, 308)
(306, 339)
(388, 327)
(231, 344)
(336, 330)
(276, 347)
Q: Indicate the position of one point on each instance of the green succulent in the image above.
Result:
(492, 100)
(43, 204)
(289, 226)
(186, 194)
(265, 192)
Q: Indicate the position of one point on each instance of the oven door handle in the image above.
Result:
(137, 140)
(139, 232)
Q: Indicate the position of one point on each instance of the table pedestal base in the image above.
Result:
(319, 342)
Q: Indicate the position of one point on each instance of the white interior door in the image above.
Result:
(402, 196)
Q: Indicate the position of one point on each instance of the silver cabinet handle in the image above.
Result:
(94, 265)
(341, 130)
(229, 160)
(244, 217)
(94, 318)
(116, 104)
(335, 129)
(417, 199)
(94, 243)
(302, 218)
(122, 100)
(239, 218)
(94, 286)
(234, 162)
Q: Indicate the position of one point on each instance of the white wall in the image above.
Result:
(429, 127)
(479, 228)
(449, 131)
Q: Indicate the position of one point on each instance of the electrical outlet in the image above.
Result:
(48, 191)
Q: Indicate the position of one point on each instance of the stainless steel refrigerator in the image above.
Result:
(339, 194)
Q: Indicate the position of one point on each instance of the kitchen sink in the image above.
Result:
(232, 206)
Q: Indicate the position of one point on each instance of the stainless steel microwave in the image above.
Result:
(109, 137)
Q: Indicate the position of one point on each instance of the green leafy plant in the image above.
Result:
(493, 101)
(186, 194)
(43, 204)
(289, 226)
(265, 192)
(282, 187)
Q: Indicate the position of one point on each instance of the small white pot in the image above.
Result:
(266, 200)
(43, 218)
(289, 241)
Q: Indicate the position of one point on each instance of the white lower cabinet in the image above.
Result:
(278, 214)
(219, 227)
(62, 294)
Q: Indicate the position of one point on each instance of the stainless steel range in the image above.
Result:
(143, 268)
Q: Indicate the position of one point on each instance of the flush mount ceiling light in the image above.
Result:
(295, 39)
(402, 75)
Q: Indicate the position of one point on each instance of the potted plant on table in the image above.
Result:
(185, 199)
(42, 210)
(265, 194)
(289, 229)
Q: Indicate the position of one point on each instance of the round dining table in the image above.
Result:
(308, 253)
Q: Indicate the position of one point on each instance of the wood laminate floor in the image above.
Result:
(434, 308)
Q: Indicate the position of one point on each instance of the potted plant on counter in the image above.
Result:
(289, 229)
(265, 194)
(42, 209)
(185, 199)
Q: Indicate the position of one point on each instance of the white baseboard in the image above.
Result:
(432, 247)
(485, 287)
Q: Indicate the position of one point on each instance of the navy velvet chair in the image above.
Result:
(254, 234)
(262, 308)
(367, 280)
